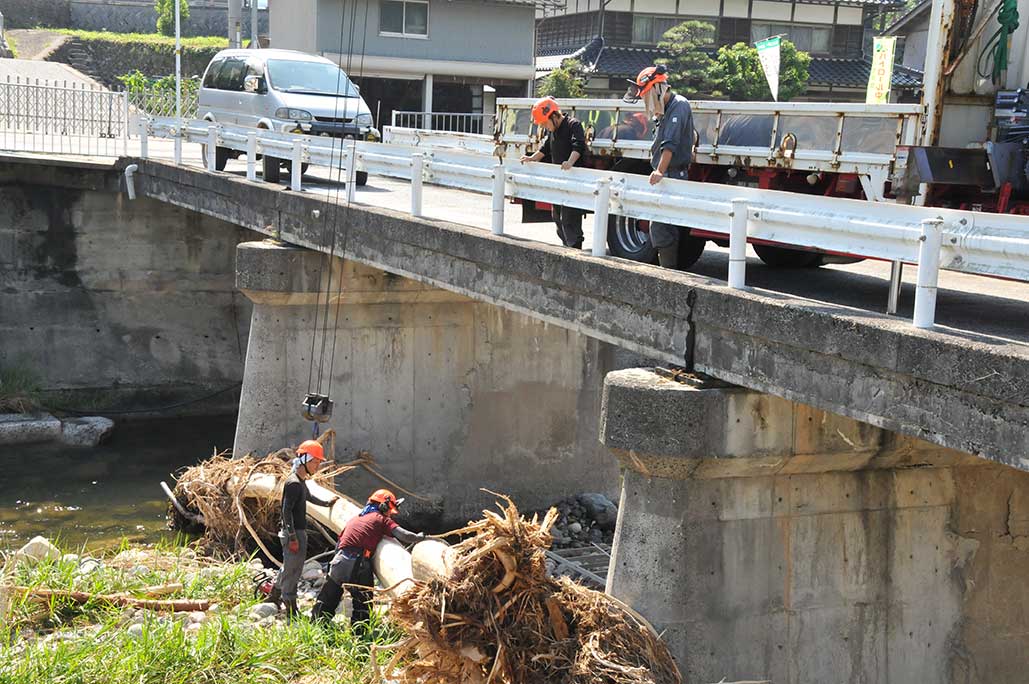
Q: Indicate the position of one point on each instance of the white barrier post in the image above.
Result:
(417, 167)
(352, 172)
(125, 122)
(928, 272)
(252, 155)
(298, 157)
(144, 137)
(896, 278)
(601, 206)
(499, 187)
(212, 145)
(178, 145)
(738, 216)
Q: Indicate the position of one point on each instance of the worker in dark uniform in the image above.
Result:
(672, 150)
(565, 145)
(293, 535)
(351, 567)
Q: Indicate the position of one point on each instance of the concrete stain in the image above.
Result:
(57, 255)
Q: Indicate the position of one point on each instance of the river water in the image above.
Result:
(94, 498)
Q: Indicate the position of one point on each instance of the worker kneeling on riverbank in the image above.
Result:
(293, 535)
(351, 567)
(565, 145)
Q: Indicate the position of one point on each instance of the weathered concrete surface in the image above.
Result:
(87, 431)
(116, 304)
(961, 391)
(771, 540)
(449, 395)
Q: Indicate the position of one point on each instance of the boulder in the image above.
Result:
(25, 428)
(600, 509)
(88, 431)
(263, 611)
(38, 549)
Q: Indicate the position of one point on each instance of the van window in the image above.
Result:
(230, 77)
(317, 78)
(212, 73)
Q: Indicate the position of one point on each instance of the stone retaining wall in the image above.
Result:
(206, 17)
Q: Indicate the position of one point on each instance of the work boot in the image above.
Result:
(327, 602)
(668, 257)
(292, 612)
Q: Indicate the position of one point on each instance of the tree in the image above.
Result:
(689, 67)
(565, 81)
(738, 74)
(166, 15)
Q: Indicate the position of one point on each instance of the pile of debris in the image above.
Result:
(492, 614)
(583, 520)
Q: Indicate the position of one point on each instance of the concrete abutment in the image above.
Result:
(770, 540)
(448, 394)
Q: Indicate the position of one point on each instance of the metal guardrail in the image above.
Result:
(416, 137)
(63, 118)
(934, 238)
(456, 122)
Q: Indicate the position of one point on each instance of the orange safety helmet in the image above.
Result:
(646, 80)
(386, 499)
(312, 449)
(543, 108)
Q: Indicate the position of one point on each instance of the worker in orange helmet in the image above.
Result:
(565, 145)
(672, 150)
(293, 535)
(351, 567)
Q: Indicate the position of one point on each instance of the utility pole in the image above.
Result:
(254, 44)
(235, 23)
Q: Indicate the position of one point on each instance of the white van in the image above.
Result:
(286, 91)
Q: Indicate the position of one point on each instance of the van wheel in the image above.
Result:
(272, 168)
(361, 178)
(221, 157)
(288, 167)
(781, 257)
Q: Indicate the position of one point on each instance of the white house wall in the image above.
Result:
(814, 14)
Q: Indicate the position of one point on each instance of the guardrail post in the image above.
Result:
(252, 155)
(499, 187)
(601, 205)
(296, 164)
(125, 122)
(144, 137)
(896, 274)
(178, 144)
(738, 215)
(417, 167)
(352, 172)
(928, 272)
(212, 145)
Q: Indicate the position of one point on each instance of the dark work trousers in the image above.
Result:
(665, 234)
(292, 565)
(569, 225)
(352, 574)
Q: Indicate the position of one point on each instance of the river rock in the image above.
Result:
(87, 431)
(197, 616)
(575, 528)
(70, 558)
(25, 428)
(194, 627)
(135, 630)
(214, 608)
(38, 549)
(88, 566)
(263, 610)
(600, 509)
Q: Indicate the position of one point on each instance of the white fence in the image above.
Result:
(445, 121)
(62, 118)
(970, 242)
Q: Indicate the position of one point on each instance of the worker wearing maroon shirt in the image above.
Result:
(352, 564)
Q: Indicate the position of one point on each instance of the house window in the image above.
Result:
(409, 18)
(649, 29)
(814, 39)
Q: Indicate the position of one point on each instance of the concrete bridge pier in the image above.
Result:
(449, 395)
(770, 540)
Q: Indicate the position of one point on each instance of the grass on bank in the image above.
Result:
(147, 38)
(19, 390)
(13, 47)
(59, 641)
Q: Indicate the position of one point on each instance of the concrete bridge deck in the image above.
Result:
(798, 335)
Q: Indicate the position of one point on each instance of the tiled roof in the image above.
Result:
(619, 61)
(853, 73)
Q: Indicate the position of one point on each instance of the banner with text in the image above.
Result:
(768, 52)
(880, 78)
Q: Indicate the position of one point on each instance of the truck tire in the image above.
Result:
(781, 257)
(272, 169)
(288, 168)
(626, 240)
(361, 178)
(690, 249)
